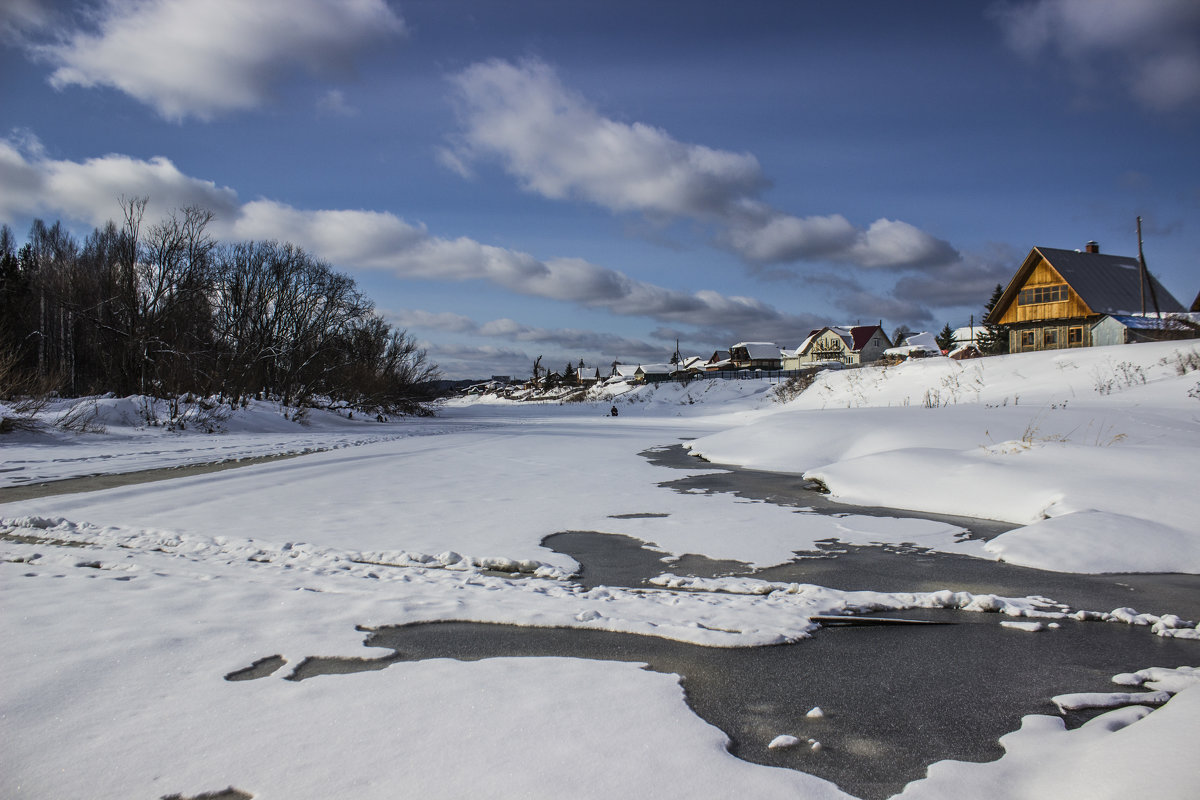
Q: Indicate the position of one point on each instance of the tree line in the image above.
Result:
(164, 309)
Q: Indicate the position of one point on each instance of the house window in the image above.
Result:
(1074, 336)
(1042, 294)
(1050, 337)
(1027, 339)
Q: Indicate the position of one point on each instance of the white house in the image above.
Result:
(858, 344)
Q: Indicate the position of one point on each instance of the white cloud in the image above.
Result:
(202, 58)
(90, 190)
(432, 320)
(786, 238)
(555, 143)
(1150, 46)
(892, 243)
(352, 239)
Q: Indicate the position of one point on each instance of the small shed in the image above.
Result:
(919, 345)
(1131, 328)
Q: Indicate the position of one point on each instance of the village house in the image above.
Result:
(654, 373)
(719, 360)
(1058, 297)
(623, 373)
(586, 376)
(756, 355)
(858, 344)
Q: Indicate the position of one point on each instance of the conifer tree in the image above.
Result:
(946, 339)
(994, 339)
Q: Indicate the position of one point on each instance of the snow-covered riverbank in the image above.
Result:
(125, 609)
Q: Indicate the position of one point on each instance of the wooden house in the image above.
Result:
(1057, 297)
(654, 373)
(719, 361)
(756, 355)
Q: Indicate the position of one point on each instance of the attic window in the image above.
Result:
(1042, 294)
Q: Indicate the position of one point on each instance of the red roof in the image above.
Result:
(862, 334)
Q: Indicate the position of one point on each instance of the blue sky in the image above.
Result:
(597, 179)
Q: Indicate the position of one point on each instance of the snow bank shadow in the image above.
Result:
(261, 668)
(896, 699)
(224, 794)
(792, 491)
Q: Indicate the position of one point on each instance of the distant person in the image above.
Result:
(612, 412)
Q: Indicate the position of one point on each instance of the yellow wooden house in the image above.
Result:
(1057, 296)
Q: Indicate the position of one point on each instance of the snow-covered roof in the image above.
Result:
(805, 344)
(656, 369)
(924, 342)
(625, 370)
(855, 337)
(1151, 322)
(758, 350)
(967, 334)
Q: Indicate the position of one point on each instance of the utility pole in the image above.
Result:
(1145, 276)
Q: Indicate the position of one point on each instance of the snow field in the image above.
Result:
(1094, 451)
(1128, 752)
(124, 609)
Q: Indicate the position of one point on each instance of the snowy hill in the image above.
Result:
(1094, 450)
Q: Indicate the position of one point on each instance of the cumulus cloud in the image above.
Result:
(1152, 47)
(89, 190)
(203, 58)
(966, 283)
(446, 321)
(556, 144)
(353, 239)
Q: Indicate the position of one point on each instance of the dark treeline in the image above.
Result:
(164, 309)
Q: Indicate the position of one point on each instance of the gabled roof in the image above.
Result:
(656, 369)
(719, 355)
(861, 334)
(758, 350)
(854, 337)
(1107, 284)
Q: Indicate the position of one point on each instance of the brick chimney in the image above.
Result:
(1092, 247)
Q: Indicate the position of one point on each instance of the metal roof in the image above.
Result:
(1108, 284)
(1152, 323)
